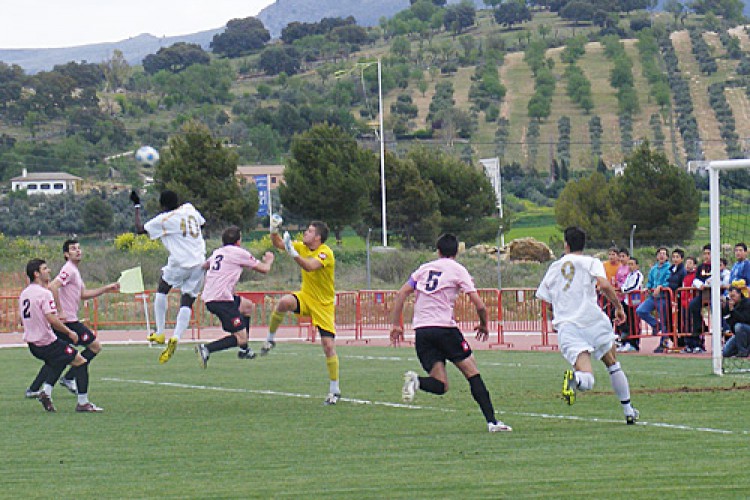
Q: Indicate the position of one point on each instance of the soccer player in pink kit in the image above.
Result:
(224, 268)
(39, 316)
(68, 289)
(584, 330)
(179, 229)
(437, 285)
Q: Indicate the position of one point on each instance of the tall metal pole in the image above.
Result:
(382, 155)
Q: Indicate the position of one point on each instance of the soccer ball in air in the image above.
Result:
(146, 155)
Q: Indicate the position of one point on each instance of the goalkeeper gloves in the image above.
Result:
(276, 221)
(289, 245)
(135, 199)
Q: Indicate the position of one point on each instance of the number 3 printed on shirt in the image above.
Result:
(432, 281)
(568, 271)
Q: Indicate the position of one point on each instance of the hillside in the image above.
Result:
(434, 59)
(274, 17)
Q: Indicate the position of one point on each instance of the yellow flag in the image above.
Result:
(131, 280)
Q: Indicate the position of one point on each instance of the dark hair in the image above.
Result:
(613, 249)
(575, 237)
(735, 288)
(741, 244)
(679, 251)
(447, 245)
(666, 250)
(625, 251)
(321, 228)
(33, 266)
(724, 261)
(707, 247)
(634, 259)
(169, 200)
(67, 244)
(231, 235)
(694, 259)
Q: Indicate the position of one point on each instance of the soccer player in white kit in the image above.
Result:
(179, 229)
(583, 329)
(437, 285)
(224, 268)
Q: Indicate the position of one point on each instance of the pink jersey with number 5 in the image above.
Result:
(437, 285)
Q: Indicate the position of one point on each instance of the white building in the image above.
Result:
(46, 182)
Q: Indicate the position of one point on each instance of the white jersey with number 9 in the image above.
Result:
(180, 232)
(570, 286)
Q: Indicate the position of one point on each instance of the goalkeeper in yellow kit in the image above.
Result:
(316, 297)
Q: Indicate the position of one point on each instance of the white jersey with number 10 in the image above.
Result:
(180, 232)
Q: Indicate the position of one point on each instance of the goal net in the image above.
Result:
(729, 206)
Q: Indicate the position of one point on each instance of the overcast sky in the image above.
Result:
(66, 23)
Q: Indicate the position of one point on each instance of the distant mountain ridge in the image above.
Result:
(275, 17)
(134, 50)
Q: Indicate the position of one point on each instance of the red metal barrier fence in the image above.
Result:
(365, 315)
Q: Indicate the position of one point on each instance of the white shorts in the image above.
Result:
(597, 339)
(188, 279)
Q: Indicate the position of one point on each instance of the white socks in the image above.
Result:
(183, 320)
(160, 312)
(621, 387)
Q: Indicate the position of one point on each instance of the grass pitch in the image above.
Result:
(258, 429)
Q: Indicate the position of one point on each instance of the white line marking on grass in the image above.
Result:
(267, 392)
(609, 420)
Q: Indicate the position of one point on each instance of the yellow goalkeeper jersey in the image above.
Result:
(318, 285)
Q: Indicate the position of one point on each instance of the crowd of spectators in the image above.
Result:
(672, 297)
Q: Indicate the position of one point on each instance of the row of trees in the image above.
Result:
(658, 197)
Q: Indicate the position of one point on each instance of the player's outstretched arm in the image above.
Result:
(265, 264)
(397, 329)
(609, 291)
(482, 330)
(139, 229)
(90, 294)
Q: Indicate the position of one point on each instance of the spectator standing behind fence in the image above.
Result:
(701, 283)
(612, 265)
(676, 275)
(658, 279)
(691, 264)
(631, 300)
(736, 310)
(623, 271)
(584, 330)
(740, 275)
(436, 286)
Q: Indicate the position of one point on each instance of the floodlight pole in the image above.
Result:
(382, 155)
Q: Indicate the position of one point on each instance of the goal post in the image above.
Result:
(715, 169)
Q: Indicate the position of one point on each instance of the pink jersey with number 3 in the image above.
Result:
(437, 285)
(225, 268)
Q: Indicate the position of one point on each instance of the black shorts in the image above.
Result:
(228, 311)
(85, 335)
(439, 343)
(58, 353)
